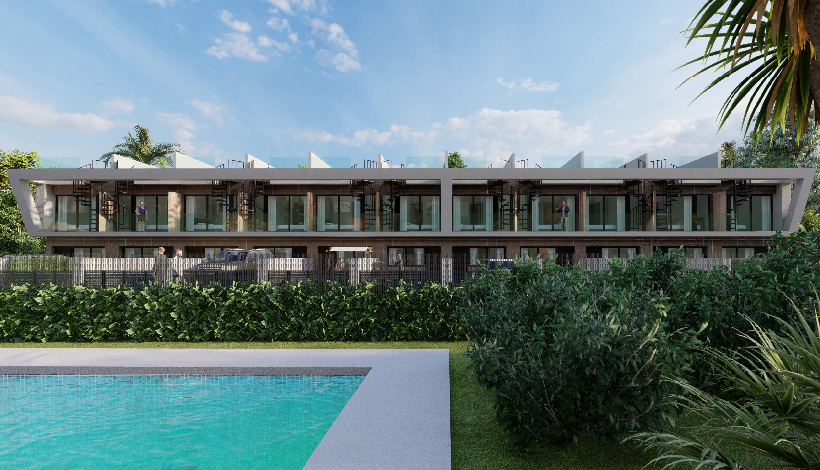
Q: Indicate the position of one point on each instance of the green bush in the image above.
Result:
(564, 354)
(246, 312)
(773, 421)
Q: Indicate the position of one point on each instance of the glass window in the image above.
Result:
(613, 213)
(411, 256)
(339, 213)
(153, 219)
(88, 252)
(474, 213)
(287, 213)
(75, 215)
(543, 213)
(483, 254)
(205, 214)
(749, 214)
(687, 251)
(743, 252)
(612, 252)
(411, 213)
(535, 253)
(141, 252)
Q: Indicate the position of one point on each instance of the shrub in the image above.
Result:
(774, 421)
(247, 312)
(565, 353)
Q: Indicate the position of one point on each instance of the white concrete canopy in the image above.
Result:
(184, 161)
(315, 162)
(122, 162)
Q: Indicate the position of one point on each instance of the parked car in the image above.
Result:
(228, 267)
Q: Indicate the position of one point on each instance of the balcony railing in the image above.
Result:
(473, 222)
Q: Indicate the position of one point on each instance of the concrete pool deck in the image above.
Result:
(399, 418)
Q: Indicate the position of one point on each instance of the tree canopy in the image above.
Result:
(15, 160)
(454, 160)
(142, 148)
(13, 237)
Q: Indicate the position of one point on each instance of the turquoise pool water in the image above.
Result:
(166, 422)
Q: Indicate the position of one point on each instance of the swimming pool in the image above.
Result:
(180, 422)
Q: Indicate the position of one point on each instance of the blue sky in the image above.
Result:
(350, 80)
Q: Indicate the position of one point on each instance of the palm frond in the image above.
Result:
(739, 33)
(141, 147)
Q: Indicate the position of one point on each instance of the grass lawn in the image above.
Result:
(477, 442)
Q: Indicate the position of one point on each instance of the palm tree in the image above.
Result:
(773, 41)
(143, 149)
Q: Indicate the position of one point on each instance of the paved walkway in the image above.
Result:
(399, 418)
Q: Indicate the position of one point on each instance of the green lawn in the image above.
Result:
(477, 442)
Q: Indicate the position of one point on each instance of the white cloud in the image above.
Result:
(163, 3)
(209, 110)
(116, 105)
(501, 81)
(496, 133)
(265, 41)
(341, 53)
(314, 136)
(365, 136)
(535, 132)
(291, 6)
(529, 84)
(282, 25)
(42, 116)
(237, 45)
(279, 24)
(609, 131)
(227, 18)
(182, 128)
(675, 137)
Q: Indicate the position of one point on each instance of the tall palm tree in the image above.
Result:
(143, 149)
(772, 40)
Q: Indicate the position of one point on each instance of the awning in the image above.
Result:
(349, 248)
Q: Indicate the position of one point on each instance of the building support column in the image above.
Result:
(719, 211)
(174, 211)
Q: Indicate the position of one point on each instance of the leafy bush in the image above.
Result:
(251, 312)
(555, 345)
(564, 354)
(775, 422)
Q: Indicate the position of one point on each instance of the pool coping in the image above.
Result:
(180, 371)
(399, 417)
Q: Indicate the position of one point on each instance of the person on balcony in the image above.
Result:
(141, 212)
(564, 211)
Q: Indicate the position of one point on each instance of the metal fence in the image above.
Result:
(320, 269)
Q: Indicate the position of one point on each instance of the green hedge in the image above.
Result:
(566, 352)
(250, 312)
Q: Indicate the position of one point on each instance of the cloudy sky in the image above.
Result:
(349, 80)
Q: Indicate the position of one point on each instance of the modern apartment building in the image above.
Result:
(129, 209)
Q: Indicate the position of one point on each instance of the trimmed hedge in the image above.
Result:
(244, 312)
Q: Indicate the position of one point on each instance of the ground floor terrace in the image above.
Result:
(475, 248)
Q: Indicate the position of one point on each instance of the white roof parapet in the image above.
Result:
(315, 162)
(253, 162)
(510, 162)
(118, 161)
(575, 162)
(184, 161)
(640, 162)
(709, 161)
(382, 163)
